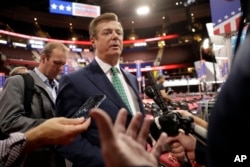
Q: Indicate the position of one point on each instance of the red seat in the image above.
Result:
(167, 159)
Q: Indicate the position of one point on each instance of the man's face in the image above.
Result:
(54, 65)
(109, 41)
(162, 80)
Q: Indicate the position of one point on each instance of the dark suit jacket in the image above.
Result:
(228, 133)
(74, 89)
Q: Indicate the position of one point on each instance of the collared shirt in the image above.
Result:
(11, 148)
(51, 86)
(128, 90)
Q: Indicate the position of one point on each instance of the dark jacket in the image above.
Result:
(228, 134)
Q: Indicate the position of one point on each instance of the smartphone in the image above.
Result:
(92, 102)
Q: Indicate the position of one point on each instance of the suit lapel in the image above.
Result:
(134, 85)
(95, 74)
(129, 80)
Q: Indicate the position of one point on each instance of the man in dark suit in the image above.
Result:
(106, 35)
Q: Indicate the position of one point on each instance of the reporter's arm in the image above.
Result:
(11, 148)
(52, 131)
(195, 150)
(55, 131)
(197, 120)
(186, 141)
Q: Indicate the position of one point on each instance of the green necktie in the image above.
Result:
(119, 87)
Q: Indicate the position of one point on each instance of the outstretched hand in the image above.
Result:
(126, 147)
(57, 130)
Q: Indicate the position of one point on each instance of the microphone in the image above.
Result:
(154, 93)
(169, 122)
(156, 96)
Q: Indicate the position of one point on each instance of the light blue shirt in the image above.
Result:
(52, 87)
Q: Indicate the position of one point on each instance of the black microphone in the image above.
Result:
(154, 93)
(156, 96)
(169, 122)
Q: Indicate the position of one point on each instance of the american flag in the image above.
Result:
(74, 9)
(225, 15)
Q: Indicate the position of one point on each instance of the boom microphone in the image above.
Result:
(153, 94)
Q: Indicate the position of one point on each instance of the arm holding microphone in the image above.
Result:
(171, 123)
(197, 120)
(194, 148)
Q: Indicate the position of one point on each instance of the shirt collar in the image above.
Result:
(104, 66)
(44, 78)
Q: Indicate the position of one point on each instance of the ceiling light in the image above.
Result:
(142, 10)
(132, 36)
(161, 44)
